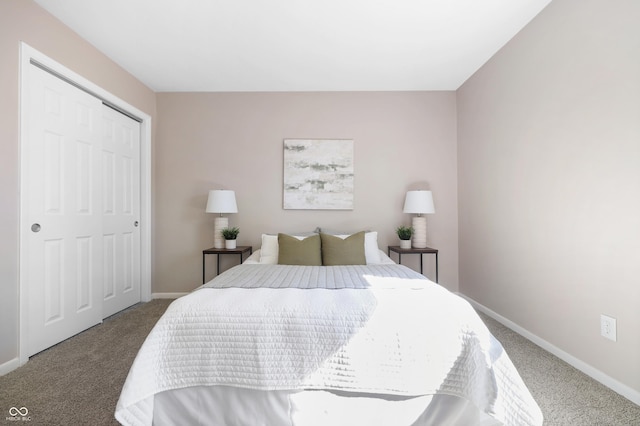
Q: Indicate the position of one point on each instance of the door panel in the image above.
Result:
(53, 281)
(121, 211)
(64, 261)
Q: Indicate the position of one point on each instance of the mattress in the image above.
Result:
(290, 338)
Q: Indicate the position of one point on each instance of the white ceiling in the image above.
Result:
(297, 45)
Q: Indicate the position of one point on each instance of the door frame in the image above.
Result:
(27, 54)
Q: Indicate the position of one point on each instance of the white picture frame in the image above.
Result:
(318, 174)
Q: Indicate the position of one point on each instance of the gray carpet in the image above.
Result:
(565, 395)
(78, 381)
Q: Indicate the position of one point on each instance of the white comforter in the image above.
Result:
(384, 335)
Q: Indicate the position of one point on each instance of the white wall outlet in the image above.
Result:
(608, 327)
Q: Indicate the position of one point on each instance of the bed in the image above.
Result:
(353, 340)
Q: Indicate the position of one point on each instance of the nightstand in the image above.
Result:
(240, 250)
(420, 251)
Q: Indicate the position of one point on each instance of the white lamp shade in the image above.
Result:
(222, 201)
(420, 202)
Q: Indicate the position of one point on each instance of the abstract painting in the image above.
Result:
(318, 174)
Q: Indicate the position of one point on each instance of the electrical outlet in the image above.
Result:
(608, 327)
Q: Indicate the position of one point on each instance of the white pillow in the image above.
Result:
(371, 250)
(269, 249)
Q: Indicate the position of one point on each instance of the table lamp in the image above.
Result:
(419, 202)
(221, 201)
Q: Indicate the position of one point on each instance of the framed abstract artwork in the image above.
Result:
(318, 174)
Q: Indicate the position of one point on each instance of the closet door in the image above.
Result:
(62, 204)
(80, 196)
(120, 211)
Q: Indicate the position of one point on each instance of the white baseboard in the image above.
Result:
(167, 295)
(613, 384)
(9, 366)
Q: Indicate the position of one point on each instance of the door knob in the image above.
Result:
(136, 223)
(36, 227)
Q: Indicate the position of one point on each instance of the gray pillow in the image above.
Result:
(292, 251)
(338, 251)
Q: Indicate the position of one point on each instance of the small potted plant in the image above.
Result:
(404, 233)
(230, 235)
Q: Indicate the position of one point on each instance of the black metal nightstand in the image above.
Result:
(240, 250)
(420, 251)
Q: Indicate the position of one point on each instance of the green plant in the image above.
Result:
(404, 232)
(230, 233)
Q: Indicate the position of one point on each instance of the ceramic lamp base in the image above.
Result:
(220, 223)
(419, 238)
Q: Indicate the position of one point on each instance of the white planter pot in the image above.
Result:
(229, 244)
(405, 244)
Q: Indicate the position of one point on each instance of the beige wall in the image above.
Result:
(23, 20)
(549, 181)
(235, 141)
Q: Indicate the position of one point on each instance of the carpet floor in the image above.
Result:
(78, 381)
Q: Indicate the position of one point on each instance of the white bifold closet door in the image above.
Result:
(81, 199)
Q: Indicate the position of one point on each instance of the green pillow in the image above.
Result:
(338, 251)
(292, 251)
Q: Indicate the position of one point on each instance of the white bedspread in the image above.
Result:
(402, 336)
